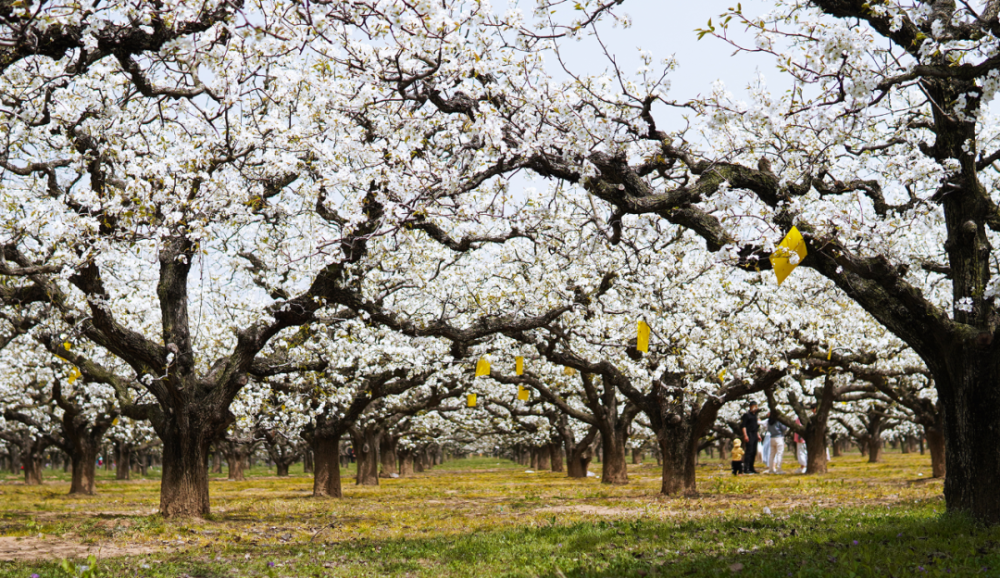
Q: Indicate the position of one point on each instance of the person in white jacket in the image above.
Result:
(776, 430)
(765, 446)
(801, 453)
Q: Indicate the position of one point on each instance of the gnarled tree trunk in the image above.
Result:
(815, 437)
(544, 458)
(613, 466)
(184, 484)
(84, 459)
(32, 469)
(678, 462)
(387, 455)
(326, 456)
(366, 445)
(307, 462)
(874, 447)
(236, 459)
(556, 457)
(936, 444)
(123, 459)
(405, 462)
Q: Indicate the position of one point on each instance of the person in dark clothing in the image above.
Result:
(751, 435)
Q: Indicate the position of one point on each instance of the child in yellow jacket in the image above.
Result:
(737, 457)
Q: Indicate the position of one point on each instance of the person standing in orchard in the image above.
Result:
(801, 453)
(751, 435)
(765, 444)
(776, 431)
(737, 458)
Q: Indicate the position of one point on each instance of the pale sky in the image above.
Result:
(665, 28)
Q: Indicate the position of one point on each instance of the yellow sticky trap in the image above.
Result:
(519, 365)
(74, 374)
(568, 370)
(522, 394)
(470, 400)
(642, 342)
(482, 367)
(789, 253)
(114, 421)
(66, 345)
(722, 376)
(829, 354)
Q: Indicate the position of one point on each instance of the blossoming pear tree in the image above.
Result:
(184, 183)
(880, 156)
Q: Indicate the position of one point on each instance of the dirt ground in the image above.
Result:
(51, 548)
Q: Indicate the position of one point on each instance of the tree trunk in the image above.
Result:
(123, 460)
(874, 449)
(556, 457)
(326, 456)
(184, 483)
(678, 454)
(387, 455)
(578, 455)
(237, 464)
(281, 469)
(216, 462)
(366, 444)
(84, 468)
(32, 470)
(636, 456)
(405, 462)
(307, 461)
(904, 445)
(544, 458)
(837, 452)
(936, 443)
(576, 466)
(613, 468)
(815, 449)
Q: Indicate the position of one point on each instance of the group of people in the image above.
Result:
(773, 447)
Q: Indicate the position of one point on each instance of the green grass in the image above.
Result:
(484, 517)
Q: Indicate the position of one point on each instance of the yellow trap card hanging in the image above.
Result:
(642, 340)
(789, 253)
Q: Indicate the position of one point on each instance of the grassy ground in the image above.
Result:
(487, 517)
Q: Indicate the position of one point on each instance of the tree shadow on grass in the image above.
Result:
(902, 540)
(824, 543)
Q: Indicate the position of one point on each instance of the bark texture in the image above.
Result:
(387, 455)
(326, 456)
(366, 444)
